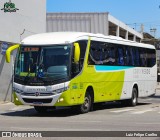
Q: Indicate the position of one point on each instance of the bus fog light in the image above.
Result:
(16, 99)
(60, 100)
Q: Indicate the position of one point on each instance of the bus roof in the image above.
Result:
(53, 38)
(69, 37)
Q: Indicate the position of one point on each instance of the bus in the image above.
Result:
(79, 69)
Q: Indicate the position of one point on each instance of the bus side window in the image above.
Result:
(83, 46)
(127, 56)
(111, 55)
(95, 53)
(101, 53)
(151, 59)
(97, 57)
(137, 57)
(143, 57)
(132, 56)
(107, 56)
(120, 56)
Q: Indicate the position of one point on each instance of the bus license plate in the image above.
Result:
(37, 103)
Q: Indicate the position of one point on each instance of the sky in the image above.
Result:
(131, 12)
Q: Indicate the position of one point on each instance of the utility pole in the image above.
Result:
(153, 30)
(22, 34)
(142, 28)
(135, 26)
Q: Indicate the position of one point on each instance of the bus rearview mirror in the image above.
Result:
(76, 52)
(8, 52)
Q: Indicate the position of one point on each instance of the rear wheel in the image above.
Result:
(134, 100)
(87, 105)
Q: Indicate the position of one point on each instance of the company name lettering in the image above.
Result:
(141, 71)
(141, 135)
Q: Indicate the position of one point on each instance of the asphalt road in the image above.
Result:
(111, 116)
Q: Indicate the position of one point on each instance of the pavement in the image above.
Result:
(109, 117)
(5, 102)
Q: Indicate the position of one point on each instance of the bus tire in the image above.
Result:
(134, 100)
(41, 109)
(87, 105)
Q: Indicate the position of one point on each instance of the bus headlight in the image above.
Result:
(60, 90)
(17, 90)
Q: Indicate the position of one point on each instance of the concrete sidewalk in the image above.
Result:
(5, 102)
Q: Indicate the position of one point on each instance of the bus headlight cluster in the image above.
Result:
(17, 90)
(60, 90)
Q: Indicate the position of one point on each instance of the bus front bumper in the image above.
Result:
(37, 100)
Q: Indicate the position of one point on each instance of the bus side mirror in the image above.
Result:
(76, 52)
(8, 52)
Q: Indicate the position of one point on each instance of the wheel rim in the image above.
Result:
(86, 104)
(134, 97)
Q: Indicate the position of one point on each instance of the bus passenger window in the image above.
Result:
(111, 55)
(132, 56)
(137, 57)
(120, 56)
(142, 58)
(83, 46)
(101, 53)
(151, 58)
(128, 57)
(95, 54)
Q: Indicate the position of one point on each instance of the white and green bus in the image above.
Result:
(80, 69)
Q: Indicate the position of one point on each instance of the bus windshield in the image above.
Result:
(43, 61)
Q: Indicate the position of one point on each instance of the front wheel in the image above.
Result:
(87, 105)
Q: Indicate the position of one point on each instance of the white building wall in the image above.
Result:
(80, 22)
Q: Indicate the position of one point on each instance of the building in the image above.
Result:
(19, 18)
(102, 23)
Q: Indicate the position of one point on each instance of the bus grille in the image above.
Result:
(34, 94)
(37, 100)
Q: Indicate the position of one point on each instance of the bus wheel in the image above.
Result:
(86, 106)
(134, 100)
(41, 109)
